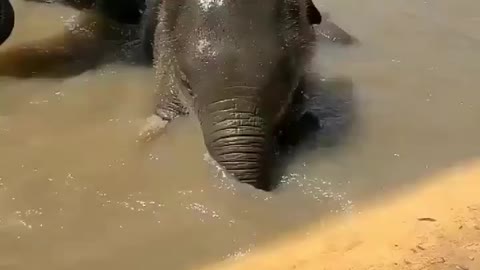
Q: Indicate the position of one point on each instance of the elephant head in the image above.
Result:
(7, 20)
(240, 64)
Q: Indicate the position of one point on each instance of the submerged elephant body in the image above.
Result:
(237, 66)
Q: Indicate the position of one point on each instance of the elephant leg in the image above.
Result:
(82, 46)
(148, 26)
(168, 107)
(7, 20)
(76, 4)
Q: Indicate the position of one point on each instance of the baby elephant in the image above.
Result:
(238, 66)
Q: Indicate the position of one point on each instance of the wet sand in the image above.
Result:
(436, 226)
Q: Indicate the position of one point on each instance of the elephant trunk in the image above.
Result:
(238, 135)
(7, 20)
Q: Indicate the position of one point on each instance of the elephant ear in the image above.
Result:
(314, 16)
(7, 20)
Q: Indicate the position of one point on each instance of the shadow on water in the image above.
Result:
(325, 111)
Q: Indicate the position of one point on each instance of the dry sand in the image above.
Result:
(432, 226)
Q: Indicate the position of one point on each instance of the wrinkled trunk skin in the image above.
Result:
(239, 136)
(7, 20)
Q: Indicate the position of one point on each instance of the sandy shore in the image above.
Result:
(432, 226)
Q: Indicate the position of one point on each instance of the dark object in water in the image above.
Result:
(427, 219)
(7, 20)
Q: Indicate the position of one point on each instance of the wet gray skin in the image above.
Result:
(7, 20)
(114, 27)
(236, 65)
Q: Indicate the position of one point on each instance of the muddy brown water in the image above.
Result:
(77, 191)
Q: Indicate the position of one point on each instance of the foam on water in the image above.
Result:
(319, 190)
